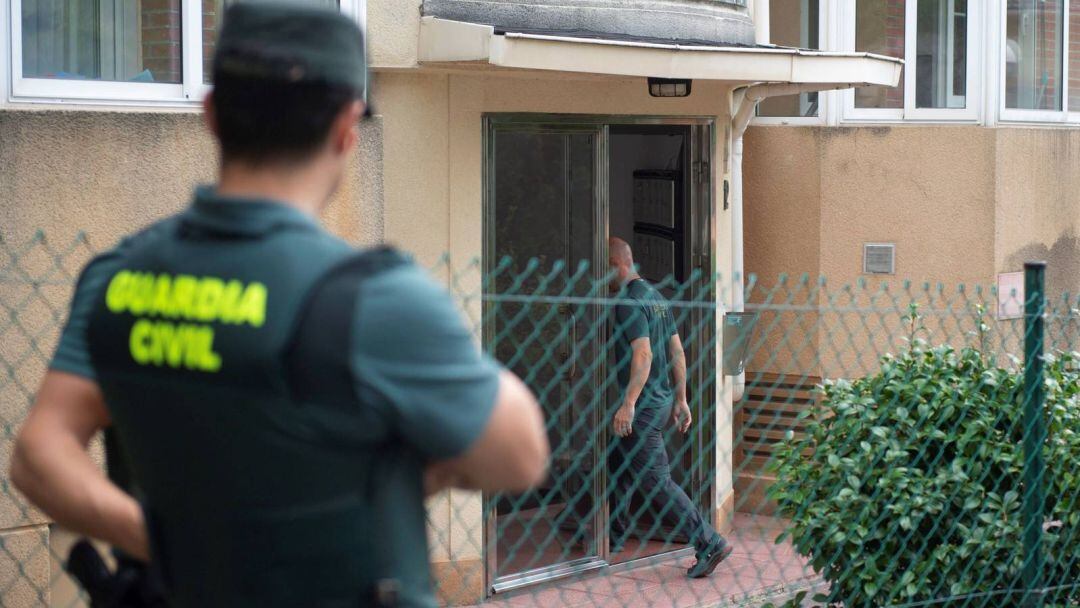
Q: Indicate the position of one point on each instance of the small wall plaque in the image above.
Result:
(1010, 295)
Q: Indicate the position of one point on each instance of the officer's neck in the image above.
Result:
(307, 188)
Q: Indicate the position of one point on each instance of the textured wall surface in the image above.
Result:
(703, 20)
(111, 173)
(962, 204)
(814, 196)
(1038, 203)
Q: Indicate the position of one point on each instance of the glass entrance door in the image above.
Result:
(544, 245)
(556, 187)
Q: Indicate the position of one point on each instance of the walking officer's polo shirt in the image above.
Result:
(277, 397)
(645, 313)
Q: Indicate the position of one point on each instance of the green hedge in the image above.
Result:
(912, 492)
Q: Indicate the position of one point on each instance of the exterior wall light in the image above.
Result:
(670, 87)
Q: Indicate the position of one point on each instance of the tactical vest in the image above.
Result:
(265, 478)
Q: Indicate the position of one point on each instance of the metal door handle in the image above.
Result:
(573, 345)
(569, 352)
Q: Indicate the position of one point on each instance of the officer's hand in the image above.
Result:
(680, 416)
(624, 420)
(440, 476)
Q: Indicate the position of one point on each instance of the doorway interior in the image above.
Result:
(556, 187)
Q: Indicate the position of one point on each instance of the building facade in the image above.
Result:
(482, 106)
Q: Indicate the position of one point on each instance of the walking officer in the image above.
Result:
(282, 401)
(652, 372)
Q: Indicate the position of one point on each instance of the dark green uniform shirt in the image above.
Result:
(277, 397)
(645, 314)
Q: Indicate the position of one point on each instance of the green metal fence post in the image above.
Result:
(1034, 433)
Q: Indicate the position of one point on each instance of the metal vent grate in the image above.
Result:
(879, 258)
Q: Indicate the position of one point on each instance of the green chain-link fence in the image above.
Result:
(885, 445)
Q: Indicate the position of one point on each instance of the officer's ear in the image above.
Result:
(346, 130)
(210, 114)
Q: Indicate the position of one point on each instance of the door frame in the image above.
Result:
(702, 174)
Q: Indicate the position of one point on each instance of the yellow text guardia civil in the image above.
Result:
(158, 299)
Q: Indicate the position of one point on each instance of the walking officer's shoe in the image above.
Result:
(707, 560)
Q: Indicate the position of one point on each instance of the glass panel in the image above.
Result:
(1074, 56)
(879, 28)
(793, 23)
(941, 54)
(648, 173)
(544, 210)
(1033, 32)
(213, 10)
(116, 40)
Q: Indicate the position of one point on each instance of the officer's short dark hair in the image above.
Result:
(265, 121)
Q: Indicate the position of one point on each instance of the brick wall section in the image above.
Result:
(884, 22)
(211, 22)
(1049, 35)
(1073, 55)
(160, 29)
(894, 45)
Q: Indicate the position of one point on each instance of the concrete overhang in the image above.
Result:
(455, 42)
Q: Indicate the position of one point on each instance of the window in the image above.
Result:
(114, 40)
(794, 23)
(119, 50)
(941, 54)
(213, 10)
(938, 42)
(880, 28)
(1033, 55)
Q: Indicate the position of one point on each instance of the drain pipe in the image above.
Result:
(761, 21)
(744, 103)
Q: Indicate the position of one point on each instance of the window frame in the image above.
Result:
(910, 112)
(1019, 115)
(825, 98)
(189, 93)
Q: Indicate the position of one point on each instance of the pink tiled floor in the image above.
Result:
(757, 569)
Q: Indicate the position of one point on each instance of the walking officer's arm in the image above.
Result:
(52, 467)
(476, 423)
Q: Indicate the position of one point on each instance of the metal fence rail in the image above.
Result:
(885, 444)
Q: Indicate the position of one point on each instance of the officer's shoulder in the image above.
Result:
(384, 273)
(370, 263)
(392, 287)
(105, 261)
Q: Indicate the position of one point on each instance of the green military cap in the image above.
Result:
(289, 42)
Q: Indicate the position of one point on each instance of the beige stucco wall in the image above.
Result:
(961, 203)
(1037, 195)
(394, 30)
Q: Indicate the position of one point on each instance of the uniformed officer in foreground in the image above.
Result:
(283, 401)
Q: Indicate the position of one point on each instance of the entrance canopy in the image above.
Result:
(443, 41)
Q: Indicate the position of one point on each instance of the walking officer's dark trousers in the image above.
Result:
(639, 465)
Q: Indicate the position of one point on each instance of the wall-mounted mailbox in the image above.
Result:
(738, 329)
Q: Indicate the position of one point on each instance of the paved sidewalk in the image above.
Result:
(758, 569)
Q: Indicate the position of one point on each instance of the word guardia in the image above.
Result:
(176, 313)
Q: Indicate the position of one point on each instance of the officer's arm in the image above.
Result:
(640, 366)
(510, 454)
(52, 467)
(678, 367)
(416, 359)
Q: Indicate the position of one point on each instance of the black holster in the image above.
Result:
(132, 584)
